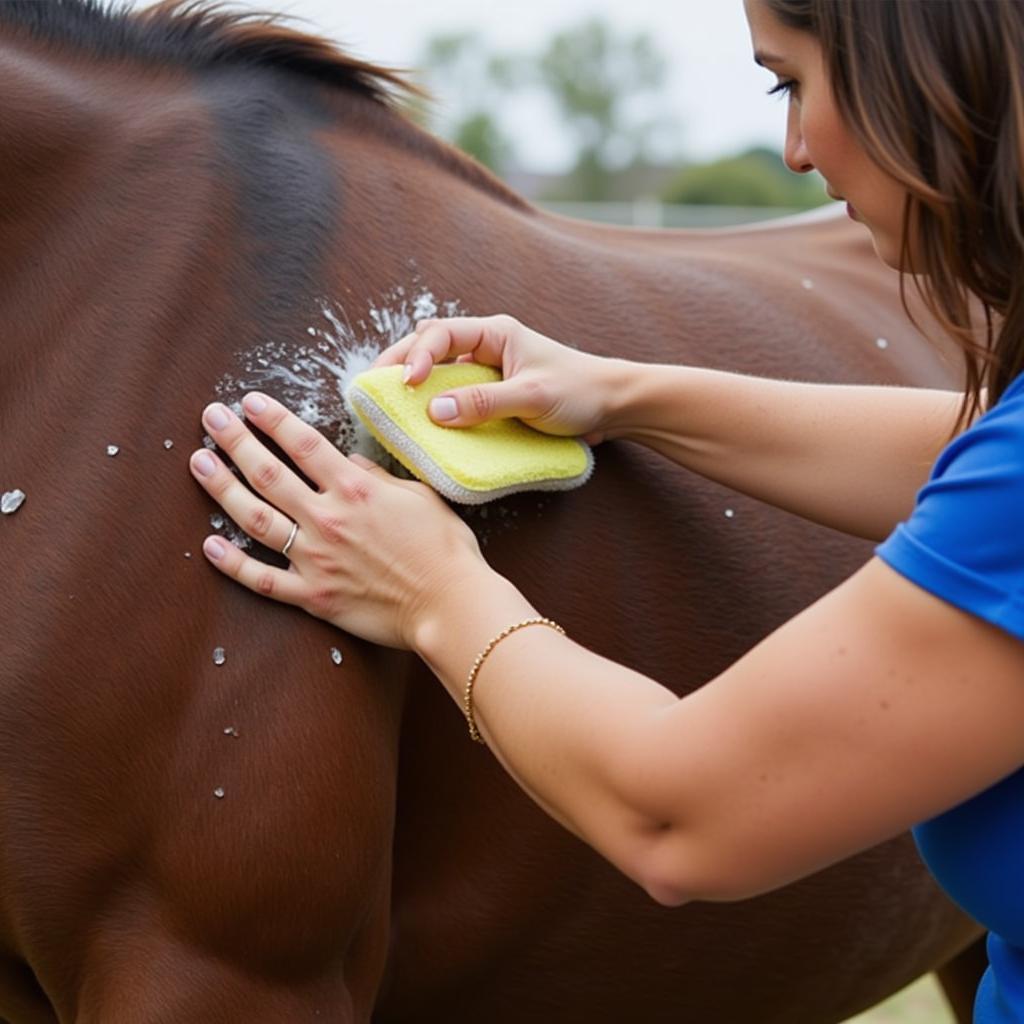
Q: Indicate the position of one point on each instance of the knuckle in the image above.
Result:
(266, 475)
(325, 561)
(321, 601)
(264, 584)
(257, 522)
(354, 489)
(505, 322)
(482, 402)
(330, 526)
(536, 393)
(307, 445)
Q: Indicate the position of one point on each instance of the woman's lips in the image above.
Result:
(851, 212)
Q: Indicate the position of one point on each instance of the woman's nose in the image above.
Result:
(795, 152)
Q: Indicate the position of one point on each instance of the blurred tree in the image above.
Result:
(757, 177)
(467, 81)
(602, 86)
(598, 79)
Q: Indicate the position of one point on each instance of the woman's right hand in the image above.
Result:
(550, 386)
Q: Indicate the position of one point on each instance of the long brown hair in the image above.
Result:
(935, 94)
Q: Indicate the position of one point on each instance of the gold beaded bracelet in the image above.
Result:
(467, 699)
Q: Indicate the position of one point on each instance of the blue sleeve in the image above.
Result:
(964, 541)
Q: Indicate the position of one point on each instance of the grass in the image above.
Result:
(919, 1003)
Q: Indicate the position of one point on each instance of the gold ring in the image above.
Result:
(291, 540)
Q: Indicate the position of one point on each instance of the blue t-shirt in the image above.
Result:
(964, 542)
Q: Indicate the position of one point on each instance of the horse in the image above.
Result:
(215, 809)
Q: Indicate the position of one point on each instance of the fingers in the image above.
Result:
(258, 519)
(466, 407)
(481, 338)
(368, 464)
(258, 577)
(305, 445)
(267, 473)
(395, 354)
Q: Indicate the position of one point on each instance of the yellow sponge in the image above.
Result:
(469, 465)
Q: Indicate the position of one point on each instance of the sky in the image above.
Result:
(715, 92)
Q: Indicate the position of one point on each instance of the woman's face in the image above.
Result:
(817, 137)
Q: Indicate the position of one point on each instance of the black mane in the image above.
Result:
(199, 35)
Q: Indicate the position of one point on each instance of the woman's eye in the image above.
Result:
(784, 88)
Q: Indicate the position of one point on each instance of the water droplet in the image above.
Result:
(219, 657)
(231, 731)
(336, 656)
(219, 792)
(112, 450)
(168, 443)
(882, 342)
(807, 283)
(11, 501)
(217, 521)
(188, 554)
(311, 330)
(729, 513)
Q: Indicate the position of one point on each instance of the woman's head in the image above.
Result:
(914, 113)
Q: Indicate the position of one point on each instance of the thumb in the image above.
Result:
(466, 407)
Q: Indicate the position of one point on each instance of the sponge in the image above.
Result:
(468, 465)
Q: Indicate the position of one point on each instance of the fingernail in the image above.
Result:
(204, 464)
(444, 408)
(407, 373)
(254, 403)
(217, 416)
(214, 548)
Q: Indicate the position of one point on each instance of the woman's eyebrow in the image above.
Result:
(764, 59)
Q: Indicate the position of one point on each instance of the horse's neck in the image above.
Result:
(86, 168)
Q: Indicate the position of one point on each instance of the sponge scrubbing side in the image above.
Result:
(469, 465)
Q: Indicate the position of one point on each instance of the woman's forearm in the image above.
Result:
(847, 456)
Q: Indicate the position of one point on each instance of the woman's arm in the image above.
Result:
(873, 710)
(877, 707)
(850, 457)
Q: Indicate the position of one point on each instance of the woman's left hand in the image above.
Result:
(372, 552)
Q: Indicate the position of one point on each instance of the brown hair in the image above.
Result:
(935, 94)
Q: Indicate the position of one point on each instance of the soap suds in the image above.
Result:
(311, 374)
(12, 501)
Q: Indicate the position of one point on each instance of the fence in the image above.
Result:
(650, 213)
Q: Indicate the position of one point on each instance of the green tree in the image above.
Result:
(459, 69)
(596, 77)
(757, 177)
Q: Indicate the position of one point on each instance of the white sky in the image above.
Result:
(714, 91)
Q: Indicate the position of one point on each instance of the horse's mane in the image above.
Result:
(205, 34)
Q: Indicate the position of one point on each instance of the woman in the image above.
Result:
(895, 700)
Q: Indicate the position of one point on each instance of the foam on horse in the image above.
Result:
(298, 827)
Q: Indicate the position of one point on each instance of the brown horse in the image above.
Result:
(215, 809)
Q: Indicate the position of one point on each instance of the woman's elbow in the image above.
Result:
(674, 870)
